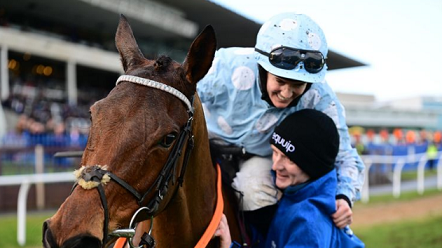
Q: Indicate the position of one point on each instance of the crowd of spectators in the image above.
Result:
(408, 144)
(44, 117)
(396, 141)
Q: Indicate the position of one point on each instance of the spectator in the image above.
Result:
(431, 155)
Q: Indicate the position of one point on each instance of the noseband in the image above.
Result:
(96, 176)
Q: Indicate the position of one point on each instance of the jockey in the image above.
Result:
(248, 91)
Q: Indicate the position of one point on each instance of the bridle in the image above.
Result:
(96, 176)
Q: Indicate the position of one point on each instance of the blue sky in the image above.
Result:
(400, 40)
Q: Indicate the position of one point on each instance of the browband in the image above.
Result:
(156, 85)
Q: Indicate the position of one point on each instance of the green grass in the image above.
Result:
(405, 196)
(8, 230)
(412, 175)
(8, 169)
(405, 234)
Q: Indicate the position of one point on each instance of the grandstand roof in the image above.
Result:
(191, 16)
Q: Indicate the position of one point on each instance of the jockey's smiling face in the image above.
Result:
(287, 172)
(283, 91)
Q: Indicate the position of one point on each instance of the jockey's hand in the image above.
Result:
(343, 215)
(223, 232)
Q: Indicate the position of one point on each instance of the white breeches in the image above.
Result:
(256, 183)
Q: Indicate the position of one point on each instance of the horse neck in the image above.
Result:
(188, 214)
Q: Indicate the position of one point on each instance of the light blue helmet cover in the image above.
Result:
(296, 31)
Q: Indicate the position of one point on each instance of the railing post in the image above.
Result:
(25, 181)
(39, 169)
(4, 73)
(21, 218)
(397, 173)
(421, 174)
(365, 194)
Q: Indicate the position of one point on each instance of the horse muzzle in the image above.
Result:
(84, 241)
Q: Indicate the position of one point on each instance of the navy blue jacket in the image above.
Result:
(303, 218)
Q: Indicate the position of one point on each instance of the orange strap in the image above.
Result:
(120, 243)
(210, 231)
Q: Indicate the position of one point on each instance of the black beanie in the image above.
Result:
(310, 139)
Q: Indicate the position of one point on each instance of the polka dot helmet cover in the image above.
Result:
(296, 31)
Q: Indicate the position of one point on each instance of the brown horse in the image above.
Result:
(132, 158)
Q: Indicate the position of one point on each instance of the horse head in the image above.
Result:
(132, 157)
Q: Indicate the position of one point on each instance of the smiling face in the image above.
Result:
(283, 91)
(287, 172)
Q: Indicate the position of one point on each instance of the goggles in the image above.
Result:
(288, 58)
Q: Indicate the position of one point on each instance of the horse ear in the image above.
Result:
(200, 56)
(127, 46)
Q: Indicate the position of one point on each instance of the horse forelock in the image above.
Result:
(162, 63)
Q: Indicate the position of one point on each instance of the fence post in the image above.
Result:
(421, 174)
(365, 188)
(25, 181)
(39, 169)
(397, 173)
(21, 213)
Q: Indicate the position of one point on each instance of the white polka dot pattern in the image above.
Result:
(266, 122)
(225, 127)
(243, 78)
(288, 24)
(314, 41)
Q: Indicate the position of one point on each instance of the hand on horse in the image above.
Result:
(223, 232)
(343, 215)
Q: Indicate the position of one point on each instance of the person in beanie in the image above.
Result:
(304, 146)
(248, 91)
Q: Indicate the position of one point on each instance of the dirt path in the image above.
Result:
(365, 216)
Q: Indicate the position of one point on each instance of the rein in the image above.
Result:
(97, 176)
(210, 231)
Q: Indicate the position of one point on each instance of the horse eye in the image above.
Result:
(168, 140)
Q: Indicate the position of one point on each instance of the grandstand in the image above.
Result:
(53, 66)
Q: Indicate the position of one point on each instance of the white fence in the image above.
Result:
(399, 161)
(26, 180)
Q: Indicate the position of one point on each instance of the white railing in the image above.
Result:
(25, 181)
(400, 161)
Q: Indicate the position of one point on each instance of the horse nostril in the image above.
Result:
(82, 241)
(79, 241)
(48, 241)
